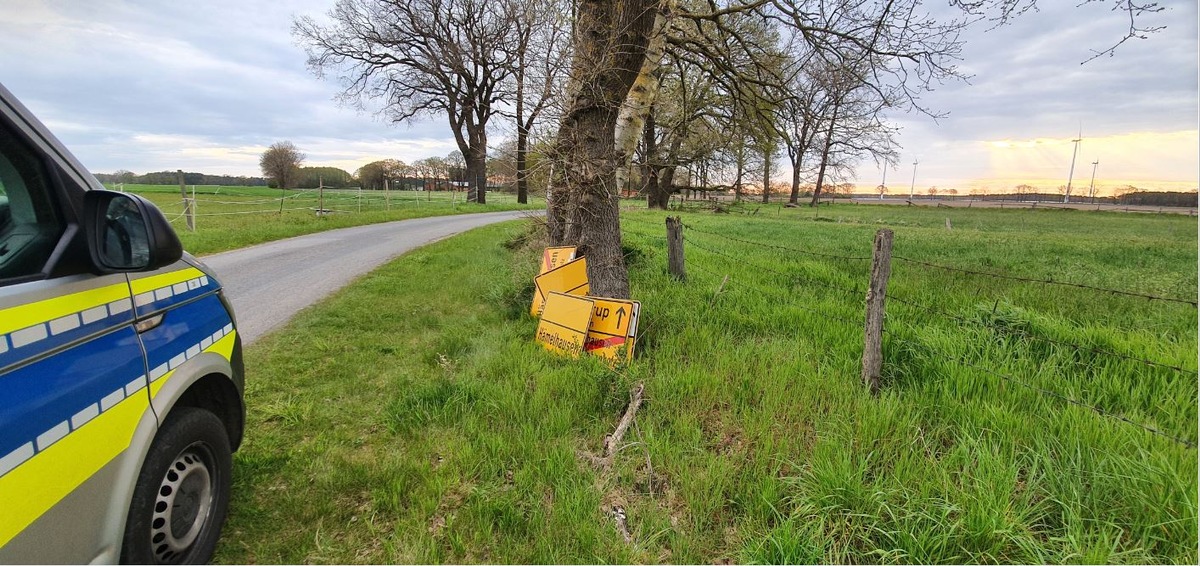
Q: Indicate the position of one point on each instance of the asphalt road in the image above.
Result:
(270, 282)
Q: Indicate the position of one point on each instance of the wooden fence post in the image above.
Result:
(881, 269)
(675, 248)
(321, 212)
(189, 212)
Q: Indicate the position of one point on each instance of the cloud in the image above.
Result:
(1028, 83)
(147, 85)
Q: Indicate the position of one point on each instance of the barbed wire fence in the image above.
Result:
(788, 272)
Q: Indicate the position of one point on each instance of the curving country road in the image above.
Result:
(270, 282)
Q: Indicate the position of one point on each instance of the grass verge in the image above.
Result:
(406, 420)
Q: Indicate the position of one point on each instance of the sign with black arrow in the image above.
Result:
(613, 329)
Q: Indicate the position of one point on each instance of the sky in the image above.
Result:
(146, 85)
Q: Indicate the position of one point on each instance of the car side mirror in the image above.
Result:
(126, 232)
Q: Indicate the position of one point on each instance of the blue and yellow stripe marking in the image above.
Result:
(65, 416)
(31, 330)
(160, 292)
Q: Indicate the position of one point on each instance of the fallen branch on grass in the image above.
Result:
(612, 445)
(618, 514)
(612, 441)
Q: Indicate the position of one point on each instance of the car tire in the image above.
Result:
(182, 492)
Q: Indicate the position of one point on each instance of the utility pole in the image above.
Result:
(1092, 187)
(1067, 196)
(913, 189)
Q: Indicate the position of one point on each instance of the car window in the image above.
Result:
(30, 223)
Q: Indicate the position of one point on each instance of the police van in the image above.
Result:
(120, 369)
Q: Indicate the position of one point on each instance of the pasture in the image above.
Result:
(1021, 419)
(233, 217)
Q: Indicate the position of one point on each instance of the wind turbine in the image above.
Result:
(912, 190)
(883, 183)
(1092, 188)
(1067, 196)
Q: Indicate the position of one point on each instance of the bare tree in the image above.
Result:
(281, 162)
(540, 58)
(123, 176)
(420, 57)
(456, 169)
(1000, 12)
(798, 123)
(852, 123)
(681, 128)
(897, 50)
(615, 73)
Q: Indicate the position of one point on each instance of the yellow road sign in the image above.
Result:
(571, 279)
(556, 257)
(564, 324)
(613, 328)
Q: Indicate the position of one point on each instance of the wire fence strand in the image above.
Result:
(764, 294)
(853, 292)
(779, 247)
(1046, 281)
(636, 227)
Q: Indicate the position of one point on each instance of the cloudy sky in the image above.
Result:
(147, 85)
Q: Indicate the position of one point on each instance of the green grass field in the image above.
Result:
(234, 217)
(406, 420)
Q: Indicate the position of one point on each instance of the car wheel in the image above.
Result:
(182, 492)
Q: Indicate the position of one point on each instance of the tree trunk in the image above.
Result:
(658, 195)
(557, 200)
(825, 156)
(666, 182)
(741, 166)
(522, 127)
(477, 167)
(618, 47)
(766, 176)
(522, 173)
(796, 162)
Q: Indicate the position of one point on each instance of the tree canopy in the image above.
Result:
(281, 163)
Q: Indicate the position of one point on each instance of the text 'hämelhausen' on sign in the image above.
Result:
(564, 324)
(573, 323)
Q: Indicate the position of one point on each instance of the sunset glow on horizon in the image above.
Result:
(1152, 161)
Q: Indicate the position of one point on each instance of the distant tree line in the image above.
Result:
(1156, 198)
(172, 178)
(438, 173)
(1127, 195)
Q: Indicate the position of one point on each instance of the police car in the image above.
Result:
(120, 369)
